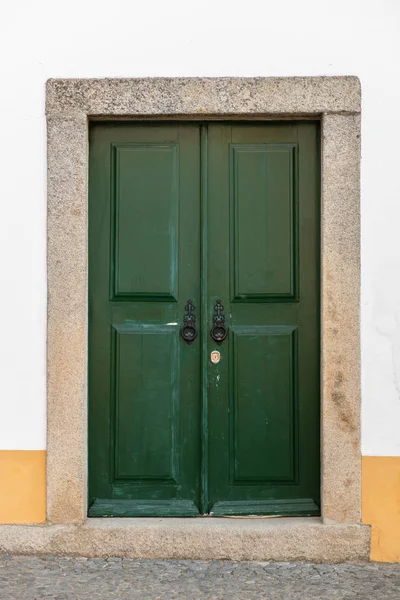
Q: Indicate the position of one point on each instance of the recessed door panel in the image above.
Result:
(146, 387)
(264, 411)
(146, 188)
(263, 195)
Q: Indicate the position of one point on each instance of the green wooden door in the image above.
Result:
(263, 396)
(144, 264)
(211, 212)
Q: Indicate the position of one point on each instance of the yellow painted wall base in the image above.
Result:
(22, 486)
(381, 505)
(23, 496)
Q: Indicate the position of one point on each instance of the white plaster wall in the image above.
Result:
(94, 38)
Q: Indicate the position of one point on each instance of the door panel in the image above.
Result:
(146, 221)
(144, 264)
(263, 369)
(262, 186)
(147, 394)
(263, 400)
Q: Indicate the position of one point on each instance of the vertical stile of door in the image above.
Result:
(204, 317)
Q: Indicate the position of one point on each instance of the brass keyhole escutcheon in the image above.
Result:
(215, 357)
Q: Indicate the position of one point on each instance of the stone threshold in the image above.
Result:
(258, 539)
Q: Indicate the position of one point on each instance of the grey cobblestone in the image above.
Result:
(52, 578)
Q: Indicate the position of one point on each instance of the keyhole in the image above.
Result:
(215, 357)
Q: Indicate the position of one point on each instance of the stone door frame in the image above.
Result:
(70, 105)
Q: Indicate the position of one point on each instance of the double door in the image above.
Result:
(203, 319)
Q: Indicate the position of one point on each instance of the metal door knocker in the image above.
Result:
(219, 331)
(189, 331)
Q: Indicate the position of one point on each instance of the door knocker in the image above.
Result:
(219, 331)
(189, 331)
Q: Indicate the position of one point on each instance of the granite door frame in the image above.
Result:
(70, 105)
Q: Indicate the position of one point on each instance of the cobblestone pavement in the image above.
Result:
(31, 578)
